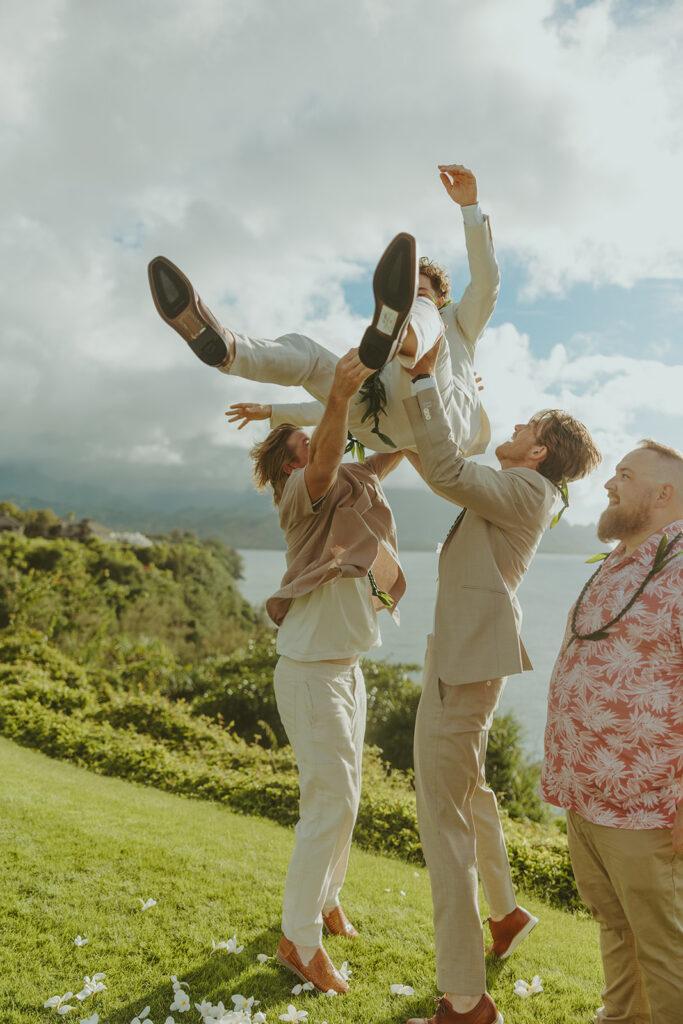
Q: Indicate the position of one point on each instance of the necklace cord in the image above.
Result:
(660, 560)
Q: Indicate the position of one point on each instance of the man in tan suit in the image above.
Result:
(475, 645)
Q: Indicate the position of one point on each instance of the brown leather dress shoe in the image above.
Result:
(320, 970)
(337, 923)
(509, 931)
(180, 306)
(485, 1012)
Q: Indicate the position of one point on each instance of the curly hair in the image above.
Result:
(438, 277)
(572, 452)
(270, 458)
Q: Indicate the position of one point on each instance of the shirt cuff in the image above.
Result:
(472, 215)
(422, 385)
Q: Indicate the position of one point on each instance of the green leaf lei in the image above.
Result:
(662, 559)
(381, 594)
(374, 394)
(356, 447)
(564, 494)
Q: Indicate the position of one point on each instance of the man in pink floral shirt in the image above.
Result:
(614, 740)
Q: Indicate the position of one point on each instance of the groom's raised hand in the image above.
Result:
(460, 183)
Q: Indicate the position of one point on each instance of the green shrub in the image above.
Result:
(149, 739)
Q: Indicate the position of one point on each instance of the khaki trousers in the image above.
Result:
(322, 707)
(459, 825)
(632, 882)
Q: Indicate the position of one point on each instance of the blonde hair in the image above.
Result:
(572, 452)
(270, 458)
(438, 277)
(665, 450)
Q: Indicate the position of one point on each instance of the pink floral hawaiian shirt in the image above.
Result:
(614, 735)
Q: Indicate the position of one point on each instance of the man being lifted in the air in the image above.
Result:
(403, 329)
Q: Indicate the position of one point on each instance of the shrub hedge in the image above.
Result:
(51, 704)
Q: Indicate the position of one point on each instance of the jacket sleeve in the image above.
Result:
(471, 315)
(507, 498)
(299, 414)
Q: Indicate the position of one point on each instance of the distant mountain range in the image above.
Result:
(240, 516)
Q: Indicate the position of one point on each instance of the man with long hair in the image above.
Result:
(342, 568)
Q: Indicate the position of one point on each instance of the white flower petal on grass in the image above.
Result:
(307, 986)
(260, 1018)
(330, 993)
(178, 984)
(244, 1004)
(91, 986)
(345, 970)
(59, 1003)
(402, 990)
(293, 1016)
(93, 1019)
(80, 941)
(205, 1008)
(169, 1020)
(402, 892)
(141, 1016)
(230, 946)
(387, 890)
(263, 958)
(416, 874)
(147, 904)
(181, 1001)
(524, 989)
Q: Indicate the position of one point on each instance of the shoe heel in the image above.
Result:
(209, 347)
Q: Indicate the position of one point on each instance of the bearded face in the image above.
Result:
(624, 519)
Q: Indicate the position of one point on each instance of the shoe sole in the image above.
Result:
(395, 286)
(302, 977)
(177, 304)
(519, 937)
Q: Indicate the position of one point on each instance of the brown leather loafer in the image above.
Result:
(395, 286)
(337, 923)
(180, 306)
(320, 970)
(485, 1012)
(509, 932)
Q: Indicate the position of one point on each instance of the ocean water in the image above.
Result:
(551, 585)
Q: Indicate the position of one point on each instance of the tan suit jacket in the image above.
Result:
(483, 560)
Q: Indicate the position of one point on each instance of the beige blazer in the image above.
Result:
(477, 618)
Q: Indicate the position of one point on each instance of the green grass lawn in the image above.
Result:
(77, 850)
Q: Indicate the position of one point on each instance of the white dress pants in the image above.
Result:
(322, 707)
(295, 360)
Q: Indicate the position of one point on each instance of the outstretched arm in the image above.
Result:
(383, 463)
(329, 438)
(300, 414)
(511, 499)
(473, 312)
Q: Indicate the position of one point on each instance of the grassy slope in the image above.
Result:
(77, 850)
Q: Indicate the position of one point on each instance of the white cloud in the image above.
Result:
(273, 149)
